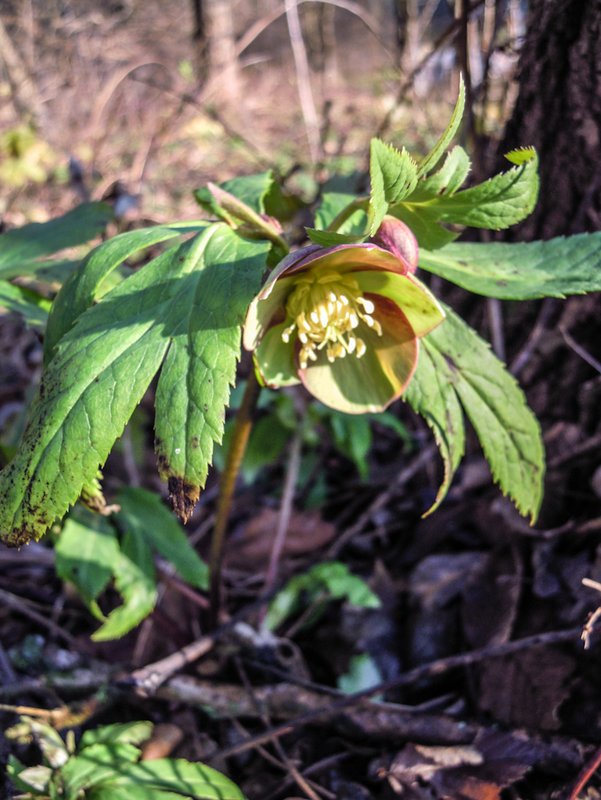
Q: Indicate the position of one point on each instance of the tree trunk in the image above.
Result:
(558, 110)
(223, 60)
(200, 39)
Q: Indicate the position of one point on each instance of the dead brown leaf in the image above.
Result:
(250, 552)
(526, 689)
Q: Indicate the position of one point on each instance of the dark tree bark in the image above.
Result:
(558, 110)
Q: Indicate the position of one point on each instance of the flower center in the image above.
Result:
(326, 308)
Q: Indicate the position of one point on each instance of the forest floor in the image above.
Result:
(482, 685)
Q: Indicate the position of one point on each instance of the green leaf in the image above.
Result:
(200, 367)
(423, 221)
(22, 246)
(80, 290)
(329, 580)
(499, 202)
(32, 779)
(253, 190)
(144, 512)
(48, 740)
(352, 437)
(521, 155)
(29, 305)
(522, 271)
(181, 777)
(129, 791)
(87, 554)
(431, 160)
(135, 581)
(95, 765)
(362, 674)
(127, 732)
(449, 178)
(393, 176)
(495, 405)
(35, 779)
(330, 238)
(431, 394)
(188, 305)
(332, 204)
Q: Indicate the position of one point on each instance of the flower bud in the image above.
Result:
(396, 237)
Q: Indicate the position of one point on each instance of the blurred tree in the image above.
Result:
(558, 110)
(199, 35)
(215, 34)
(406, 14)
(320, 38)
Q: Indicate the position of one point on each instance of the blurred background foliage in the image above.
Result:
(163, 95)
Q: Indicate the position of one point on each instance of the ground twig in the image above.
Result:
(587, 773)
(381, 501)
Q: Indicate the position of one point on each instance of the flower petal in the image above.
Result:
(370, 383)
(274, 359)
(264, 311)
(417, 302)
(347, 258)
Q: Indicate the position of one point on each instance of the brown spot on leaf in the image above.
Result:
(183, 496)
(195, 442)
(451, 362)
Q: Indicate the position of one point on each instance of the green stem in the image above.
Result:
(355, 205)
(235, 454)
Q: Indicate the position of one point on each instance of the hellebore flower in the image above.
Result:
(344, 321)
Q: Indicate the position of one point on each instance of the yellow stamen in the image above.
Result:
(325, 308)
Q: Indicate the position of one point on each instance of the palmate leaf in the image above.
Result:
(83, 286)
(458, 361)
(521, 271)
(432, 395)
(501, 201)
(186, 308)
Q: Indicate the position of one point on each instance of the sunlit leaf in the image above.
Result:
(393, 175)
(29, 305)
(522, 270)
(431, 160)
(144, 511)
(187, 305)
(458, 360)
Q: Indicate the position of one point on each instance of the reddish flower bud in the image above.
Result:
(395, 236)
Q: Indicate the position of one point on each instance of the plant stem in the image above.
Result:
(235, 454)
(285, 510)
(355, 205)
